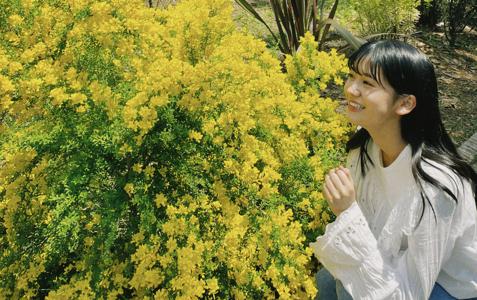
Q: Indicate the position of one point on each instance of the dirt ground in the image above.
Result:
(456, 71)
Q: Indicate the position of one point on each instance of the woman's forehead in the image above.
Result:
(366, 67)
(363, 66)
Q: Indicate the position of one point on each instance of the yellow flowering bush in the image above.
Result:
(158, 154)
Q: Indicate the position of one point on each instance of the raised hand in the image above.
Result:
(339, 189)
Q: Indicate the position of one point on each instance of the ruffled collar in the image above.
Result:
(400, 167)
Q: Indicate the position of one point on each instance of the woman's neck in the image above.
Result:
(390, 143)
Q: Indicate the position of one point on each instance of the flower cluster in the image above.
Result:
(310, 71)
(158, 154)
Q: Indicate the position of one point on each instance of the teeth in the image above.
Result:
(356, 105)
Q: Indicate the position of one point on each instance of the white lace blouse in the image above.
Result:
(372, 248)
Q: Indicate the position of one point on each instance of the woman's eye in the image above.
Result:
(367, 82)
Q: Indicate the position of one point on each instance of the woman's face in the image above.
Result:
(370, 105)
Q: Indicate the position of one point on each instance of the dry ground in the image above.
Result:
(457, 77)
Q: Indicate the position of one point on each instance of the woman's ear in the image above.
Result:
(406, 104)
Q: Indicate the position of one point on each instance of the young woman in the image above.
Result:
(406, 225)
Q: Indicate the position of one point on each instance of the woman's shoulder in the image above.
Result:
(456, 198)
(462, 208)
(354, 154)
(446, 176)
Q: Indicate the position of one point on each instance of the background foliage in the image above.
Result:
(456, 15)
(158, 153)
(382, 16)
(368, 18)
(293, 19)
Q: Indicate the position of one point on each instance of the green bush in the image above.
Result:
(457, 14)
(384, 16)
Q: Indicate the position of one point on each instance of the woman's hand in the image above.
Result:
(339, 190)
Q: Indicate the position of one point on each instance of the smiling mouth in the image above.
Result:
(355, 105)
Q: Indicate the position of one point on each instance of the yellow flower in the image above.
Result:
(137, 168)
(6, 85)
(15, 20)
(159, 101)
(196, 136)
(129, 188)
(14, 67)
(78, 98)
(81, 108)
(212, 286)
(59, 96)
(160, 200)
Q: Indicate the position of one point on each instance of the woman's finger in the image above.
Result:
(331, 187)
(338, 183)
(347, 172)
(345, 180)
(348, 189)
(327, 195)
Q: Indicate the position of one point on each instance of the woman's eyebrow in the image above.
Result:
(364, 74)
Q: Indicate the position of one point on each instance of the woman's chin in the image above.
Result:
(352, 119)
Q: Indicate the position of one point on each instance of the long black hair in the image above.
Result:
(410, 72)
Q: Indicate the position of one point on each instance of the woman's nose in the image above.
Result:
(352, 88)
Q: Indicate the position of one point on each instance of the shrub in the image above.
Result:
(158, 153)
(387, 16)
(294, 18)
(457, 14)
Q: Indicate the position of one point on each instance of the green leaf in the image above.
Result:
(354, 41)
